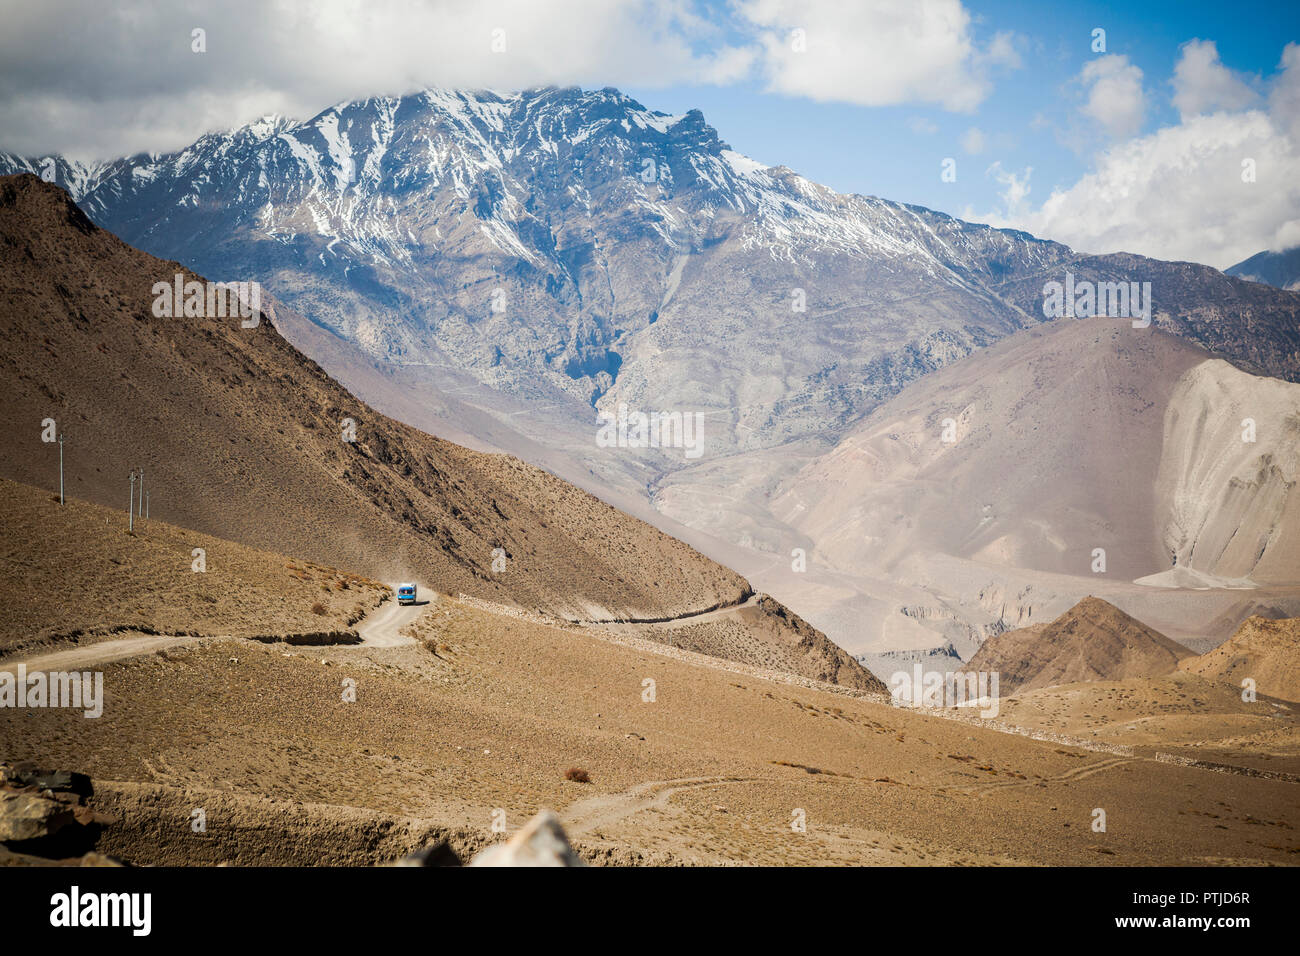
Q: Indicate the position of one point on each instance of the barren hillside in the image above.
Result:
(713, 769)
(1266, 651)
(77, 572)
(1080, 457)
(1079, 435)
(1093, 640)
(242, 437)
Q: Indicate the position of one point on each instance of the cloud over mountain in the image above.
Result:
(1218, 186)
(66, 87)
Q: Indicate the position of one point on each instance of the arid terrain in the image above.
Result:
(564, 655)
(1264, 651)
(464, 713)
(76, 573)
(488, 711)
(1092, 640)
(243, 438)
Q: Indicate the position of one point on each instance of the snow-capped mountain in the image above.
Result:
(579, 240)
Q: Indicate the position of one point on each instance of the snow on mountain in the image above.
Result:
(513, 263)
(547, 235)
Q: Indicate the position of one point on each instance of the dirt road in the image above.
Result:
(379, 629)
(104, 652)
(695, 617)
(606, 809)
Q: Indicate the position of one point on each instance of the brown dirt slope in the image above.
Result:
(1267, 651)
(788, 643)
(240, 436)
(1094, 640)
(77, 572)
(489, 712)
(1180, 714)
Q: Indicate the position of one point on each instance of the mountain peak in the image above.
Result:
(1280, 268)
(42, 204)
(268, 125)
(1094, 640)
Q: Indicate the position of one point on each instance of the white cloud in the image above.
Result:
(1115, 97)
(922, 126)
(1002, 50)
(1179, 192)
(1202, 84)
(124, 78)
(1284, 99)
(1015, 187)
(874, 52)
(973, 141)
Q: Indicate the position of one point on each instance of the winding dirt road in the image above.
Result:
(381, 628)
(610, 808)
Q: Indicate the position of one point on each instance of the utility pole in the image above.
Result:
(146, 505)
(140, 508)
(60, 468)
(130, 511)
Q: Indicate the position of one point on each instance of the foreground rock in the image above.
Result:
(29, 816)
(541, 842)
(45, 818)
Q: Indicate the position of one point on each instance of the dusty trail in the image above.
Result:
(380, 628)
(694, 617)
(603, 810)
(1069, 776)
(104, 652)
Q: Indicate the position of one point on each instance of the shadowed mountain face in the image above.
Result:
(240, 436)
(1093, 640)
(1278, 269)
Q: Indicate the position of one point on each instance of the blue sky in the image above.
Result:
(1027, 121)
